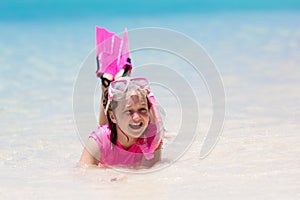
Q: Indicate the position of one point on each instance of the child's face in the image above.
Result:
(132, 115)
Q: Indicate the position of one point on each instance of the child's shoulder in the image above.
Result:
(101, 134)
(104, 128)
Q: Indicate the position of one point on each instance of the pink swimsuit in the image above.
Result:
(116, 155)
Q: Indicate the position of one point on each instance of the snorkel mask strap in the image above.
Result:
(107, 106)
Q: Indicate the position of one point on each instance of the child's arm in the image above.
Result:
(102, 116)
(91, 154)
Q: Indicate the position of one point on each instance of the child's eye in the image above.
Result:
(128, 112)
(143, 110)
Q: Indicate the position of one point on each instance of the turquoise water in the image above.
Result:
(56, 9)
(257, 53)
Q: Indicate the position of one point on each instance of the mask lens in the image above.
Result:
(119, 85)
(140, 82)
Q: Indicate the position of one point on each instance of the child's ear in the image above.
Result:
(112, 116)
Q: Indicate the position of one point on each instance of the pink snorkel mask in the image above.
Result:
(112, 54)
(120, 87)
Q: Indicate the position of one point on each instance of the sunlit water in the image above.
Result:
(256, 157)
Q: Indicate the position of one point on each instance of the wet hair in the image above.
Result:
(113, 105)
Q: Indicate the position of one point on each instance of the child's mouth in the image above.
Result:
(136, 125)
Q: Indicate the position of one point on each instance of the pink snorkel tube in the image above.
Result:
(159, 126)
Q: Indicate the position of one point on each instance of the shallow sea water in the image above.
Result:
(257, 154)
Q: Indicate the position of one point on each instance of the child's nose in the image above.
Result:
(135, 116)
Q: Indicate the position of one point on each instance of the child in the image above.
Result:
(125, 136)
